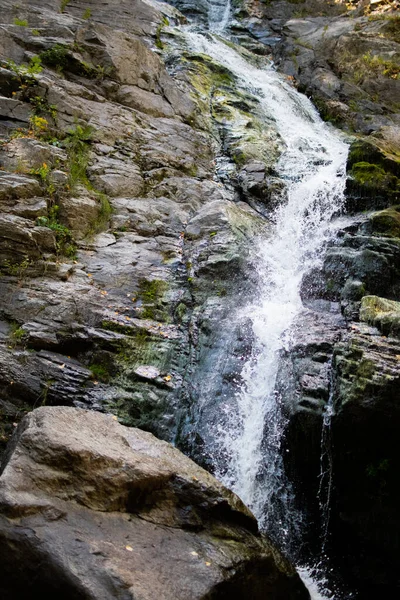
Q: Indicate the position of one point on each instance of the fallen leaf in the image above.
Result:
(208, 564)
(194, 553)
(167, 378)
(129, 548)
(61, 366)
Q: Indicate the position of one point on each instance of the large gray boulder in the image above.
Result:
(95, 510)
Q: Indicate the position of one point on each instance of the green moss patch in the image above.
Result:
(386, 222)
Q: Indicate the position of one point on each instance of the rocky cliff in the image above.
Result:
(134, 179)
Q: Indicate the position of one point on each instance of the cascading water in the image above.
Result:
(313, 166)
(218, 15)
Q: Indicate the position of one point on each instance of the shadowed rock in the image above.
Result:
(92, 509)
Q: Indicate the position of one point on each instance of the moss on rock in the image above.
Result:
(386, 222)
(382, 313)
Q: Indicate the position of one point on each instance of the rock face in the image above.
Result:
(94, 510)
(119, 241)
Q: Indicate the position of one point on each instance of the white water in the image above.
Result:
(313, 166)
(218, 15)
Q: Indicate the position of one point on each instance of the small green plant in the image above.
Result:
(35, 32)
(77, 144)
(105, 211)
(38, 125)
(87, 14)
(56, 57)
(16, 334)
(99, 372)
(16, 269)
(64, 239)
(20, 22)
(64, 4)
(35, 65)
(43, 172)
(41, 105)
(26, 74)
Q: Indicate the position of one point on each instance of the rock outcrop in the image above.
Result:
(91, 509)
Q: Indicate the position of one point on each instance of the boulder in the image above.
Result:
(95, 510)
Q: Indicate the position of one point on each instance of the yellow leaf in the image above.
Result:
(208, 564)
(129, 548)
(167, 378)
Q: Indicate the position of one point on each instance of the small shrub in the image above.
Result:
(38, 124)
(100, 372)
(41, 105)
(17, 333)
(56, 57)
(17, 269)
(87, 14)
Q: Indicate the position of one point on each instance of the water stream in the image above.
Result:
(313, 167)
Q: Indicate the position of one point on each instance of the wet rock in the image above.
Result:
(382, 313)
(130, 506)
(365, 458)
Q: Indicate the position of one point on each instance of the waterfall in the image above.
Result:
(313, 166)
(218, 15)
(248, 438)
